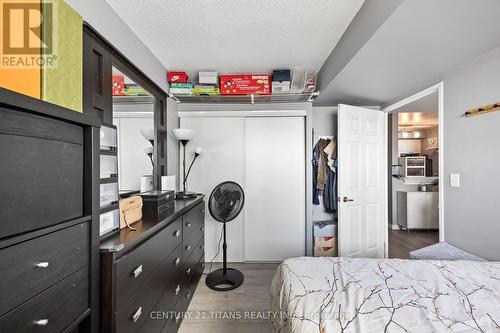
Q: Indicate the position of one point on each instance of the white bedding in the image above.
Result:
(329, 295)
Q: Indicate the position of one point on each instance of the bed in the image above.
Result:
(329, 295)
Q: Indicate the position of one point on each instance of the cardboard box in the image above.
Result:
(208, 77)
(206, 90)
(325, 247)
(245, 84)
(181, 91)
(118, 85)
(181, 85)
(281, 81)
(177, 77)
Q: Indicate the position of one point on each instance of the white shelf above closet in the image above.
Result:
(248, 99)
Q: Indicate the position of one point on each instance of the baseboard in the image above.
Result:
(393, 226)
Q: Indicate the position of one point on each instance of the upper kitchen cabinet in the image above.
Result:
(48, 65)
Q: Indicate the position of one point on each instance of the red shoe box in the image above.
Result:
(118, 85)
(177, 77)
(245, 84)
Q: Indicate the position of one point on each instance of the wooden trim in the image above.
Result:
(483, 109)
(36, 106)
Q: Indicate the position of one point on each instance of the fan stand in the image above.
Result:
(226, 278)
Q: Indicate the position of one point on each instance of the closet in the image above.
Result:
(266, 156)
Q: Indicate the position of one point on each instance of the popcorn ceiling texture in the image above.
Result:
(233, 36)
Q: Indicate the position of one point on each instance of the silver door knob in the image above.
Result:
(346, 199)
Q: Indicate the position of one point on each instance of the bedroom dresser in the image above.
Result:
(149, 275)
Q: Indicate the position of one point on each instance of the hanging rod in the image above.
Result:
(483, 109)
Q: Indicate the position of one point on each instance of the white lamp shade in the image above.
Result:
(148, 150)
(183, 134)
(148, 134)
(198, 150)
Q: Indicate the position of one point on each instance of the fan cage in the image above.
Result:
(226, 201)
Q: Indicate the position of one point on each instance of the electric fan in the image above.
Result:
(225, 203)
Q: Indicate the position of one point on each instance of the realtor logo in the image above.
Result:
(28, 34)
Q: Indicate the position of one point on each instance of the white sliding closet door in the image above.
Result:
(275, 188)
(222, 159)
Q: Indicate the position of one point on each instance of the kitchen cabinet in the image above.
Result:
(409, 146)
(418, 210)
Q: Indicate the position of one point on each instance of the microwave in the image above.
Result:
(412, 166)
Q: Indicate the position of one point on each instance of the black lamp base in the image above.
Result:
(185, 195)
(219, 281)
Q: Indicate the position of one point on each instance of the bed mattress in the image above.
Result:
(329, 295)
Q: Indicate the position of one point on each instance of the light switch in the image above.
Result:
(454, 179)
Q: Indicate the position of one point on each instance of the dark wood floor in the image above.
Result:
(402, 242)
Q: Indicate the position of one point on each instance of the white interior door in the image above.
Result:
(275, 188)
(362, 182)
(222, 159)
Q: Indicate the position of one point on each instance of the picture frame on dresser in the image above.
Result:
(49, 236)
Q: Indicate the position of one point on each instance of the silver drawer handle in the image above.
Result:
(188, 247)
(177, 261)
(137, 271)
(42, 322)
(177, 318)
(203, 210)
(188, 224)
(178, 289)
(202, 228)
(137, 314)
(188, 270)
(42, 264)
(202, 247)
(188, 295)
(177, 233)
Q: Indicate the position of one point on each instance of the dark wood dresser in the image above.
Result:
(148, 276)
(49, 234)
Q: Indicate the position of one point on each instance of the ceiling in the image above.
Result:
(412, 50)
(238, 36)
(417, 120)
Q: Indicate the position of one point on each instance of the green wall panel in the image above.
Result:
(62, 84)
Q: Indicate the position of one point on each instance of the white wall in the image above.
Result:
(472, 149)
(102, 18)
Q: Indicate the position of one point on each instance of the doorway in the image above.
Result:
(415, 172)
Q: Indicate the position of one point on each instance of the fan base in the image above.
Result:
(185, 195)
(219, 281)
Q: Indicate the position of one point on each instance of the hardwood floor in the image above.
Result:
(401, 242)
(207, 306)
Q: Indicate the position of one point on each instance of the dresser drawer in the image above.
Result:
(193, 225)
(29, 268)
(190, 264)
(53, 310)
(135, 267)
(133, 315)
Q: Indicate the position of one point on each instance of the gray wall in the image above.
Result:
(472, 148)
(100, 15)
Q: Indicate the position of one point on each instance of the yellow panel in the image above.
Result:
(63, 84)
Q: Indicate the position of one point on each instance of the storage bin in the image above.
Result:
(108, 194)
(108, 138)
(109, 221)
(325, 239)
(109, 166)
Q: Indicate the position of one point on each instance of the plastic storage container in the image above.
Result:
(108, 138)
(108, 194)
(109, 166)
(109, 221)
(325, 239)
